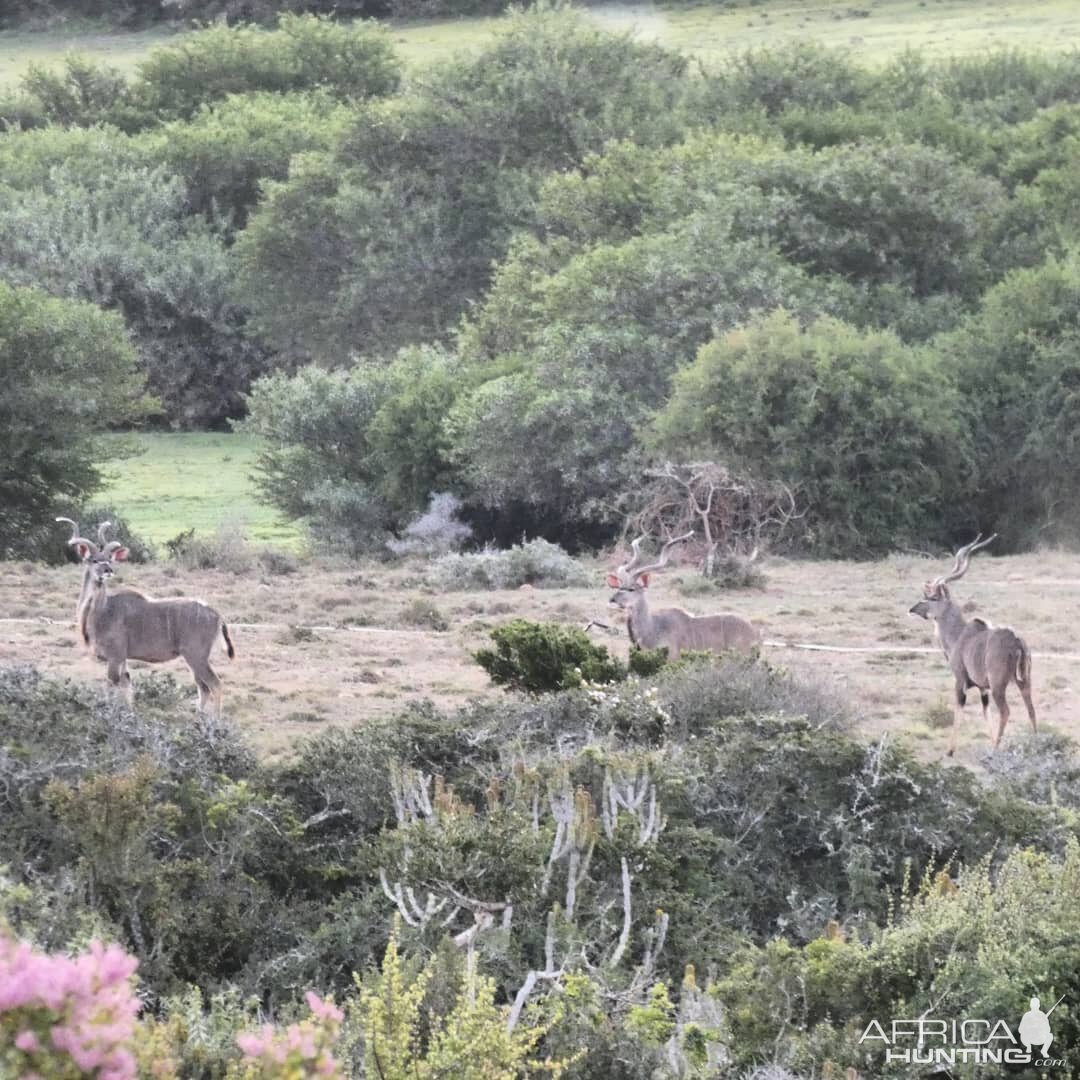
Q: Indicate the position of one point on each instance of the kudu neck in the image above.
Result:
(950, 624)
(639, 620)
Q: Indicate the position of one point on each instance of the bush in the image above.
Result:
(537, 563)
(730, 571)
(350, 61)
(865, 431)
(229, 149)
(421, 612)
(122, 236)
(227, 549)
(436, 532)
(81, 94)
(56, 352)
(541, 657)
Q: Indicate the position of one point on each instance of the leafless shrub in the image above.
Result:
(733, 513)
(435, 532)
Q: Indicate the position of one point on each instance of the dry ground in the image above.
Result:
(364, 657)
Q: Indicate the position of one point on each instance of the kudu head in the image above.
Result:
(936, 598)
(97, 559)
(632, 577)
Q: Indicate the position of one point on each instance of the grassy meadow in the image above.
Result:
(873, 32)
(170, 483)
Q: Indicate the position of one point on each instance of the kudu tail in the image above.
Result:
(228, 641)
(1023, 664)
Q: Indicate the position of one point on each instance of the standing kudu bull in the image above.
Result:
(122, 626)
(980, 655)
(674, 628)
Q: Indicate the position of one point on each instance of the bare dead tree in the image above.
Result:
(732, 512)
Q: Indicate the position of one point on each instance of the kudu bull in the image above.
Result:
(122, 626)
(674, 628)
(980, 655)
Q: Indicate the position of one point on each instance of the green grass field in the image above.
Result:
(193, 481)
(873, 31)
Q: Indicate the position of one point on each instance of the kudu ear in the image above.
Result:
(120, 554)
(643, 581)
(82, 550)
(613, 581)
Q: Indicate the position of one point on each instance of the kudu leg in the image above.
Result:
(120, 680)
(1003, 715)
(209, 686)
(958, 715)
(1025, 693)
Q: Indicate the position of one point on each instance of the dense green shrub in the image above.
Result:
(1020, 349)
(420, 199)
(866, 431)
(58, 355)
(541, 657)
(83, 92)
(923, 964)
(124, 238)
(318, 461)
(227, 150)
(350, 61)
(769, 79)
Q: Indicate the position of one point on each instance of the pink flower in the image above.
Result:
(325, 1009)
(26, 1041)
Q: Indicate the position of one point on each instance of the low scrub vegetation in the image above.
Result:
(583, 847)
(535, 562)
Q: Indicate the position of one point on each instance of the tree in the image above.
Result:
(125, 239)
(866, 431)
(69, 372)
(385, 241)
(1019, 355)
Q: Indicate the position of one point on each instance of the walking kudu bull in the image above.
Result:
(979, 654)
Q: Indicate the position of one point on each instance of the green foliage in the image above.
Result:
(82, 93)
(1020, 349)
(865, 430)
(350, 62)
(978, 943)
(411, 1035)
(125, 239)
(318, 460)
(227, 150)
(647, 662)
(541, 657)
(419, 200)
(803, 73)
(70, 373)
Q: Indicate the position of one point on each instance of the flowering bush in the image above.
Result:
(299, 1052)
(66, 1017)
